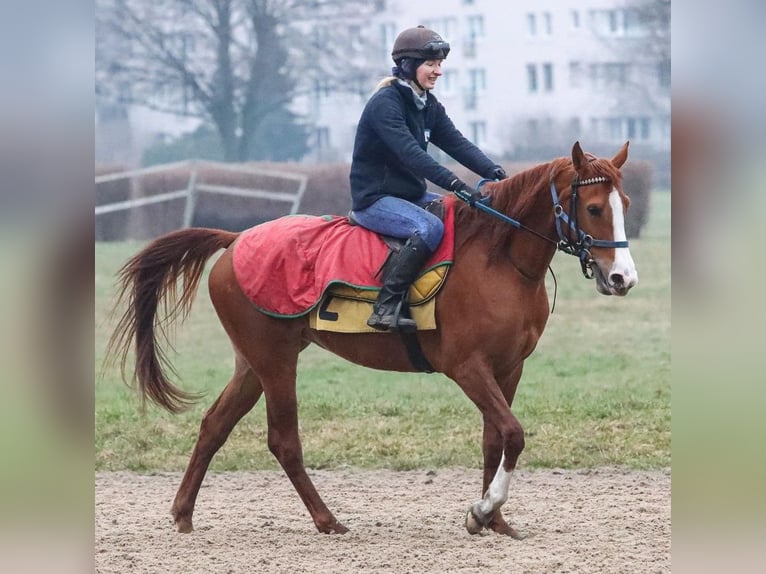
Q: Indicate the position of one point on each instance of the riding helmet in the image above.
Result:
(420, 43)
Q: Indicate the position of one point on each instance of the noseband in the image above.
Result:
(580, 247)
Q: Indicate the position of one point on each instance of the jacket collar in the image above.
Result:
(409, 92)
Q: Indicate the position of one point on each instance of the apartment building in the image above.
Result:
(522, 75)
(523, 78)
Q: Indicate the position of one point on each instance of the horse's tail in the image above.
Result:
(148, 280)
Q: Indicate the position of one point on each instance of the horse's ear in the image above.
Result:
(621, 156)
(578, 157)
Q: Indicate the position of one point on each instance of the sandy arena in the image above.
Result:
(600, 521)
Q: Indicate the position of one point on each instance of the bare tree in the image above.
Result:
(233, 63)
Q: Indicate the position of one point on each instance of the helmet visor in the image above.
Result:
(436, 50)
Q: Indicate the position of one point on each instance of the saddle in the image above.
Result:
(435, 207)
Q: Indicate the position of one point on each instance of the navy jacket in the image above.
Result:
(392, 137)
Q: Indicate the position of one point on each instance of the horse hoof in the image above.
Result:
(472, 525)
(516, 535)
(184, 526)
(510, 531)
(500, 526)
(333, 528)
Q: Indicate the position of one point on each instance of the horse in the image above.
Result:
(485, 328)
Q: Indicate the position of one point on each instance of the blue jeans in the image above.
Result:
(401, 218)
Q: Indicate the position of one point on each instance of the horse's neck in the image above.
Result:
(528, 249)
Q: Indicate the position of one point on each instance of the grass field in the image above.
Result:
(595, 392)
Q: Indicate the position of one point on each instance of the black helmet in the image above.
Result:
(420, 43)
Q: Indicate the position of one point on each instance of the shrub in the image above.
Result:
(327, 192)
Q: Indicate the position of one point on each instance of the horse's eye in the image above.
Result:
(594, 210)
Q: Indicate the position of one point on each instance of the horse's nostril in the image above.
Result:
(616, 279)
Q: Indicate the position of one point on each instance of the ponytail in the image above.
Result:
(384, 83)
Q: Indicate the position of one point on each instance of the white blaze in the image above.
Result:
(623, 261)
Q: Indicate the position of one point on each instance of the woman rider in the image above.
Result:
(390, 165)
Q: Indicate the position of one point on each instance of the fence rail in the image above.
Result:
(192, 189)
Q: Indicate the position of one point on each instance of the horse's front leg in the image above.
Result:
(501, 449)
(486, 512)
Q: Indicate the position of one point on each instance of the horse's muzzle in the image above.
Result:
(615, 283)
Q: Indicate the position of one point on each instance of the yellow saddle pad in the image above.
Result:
(345, 309)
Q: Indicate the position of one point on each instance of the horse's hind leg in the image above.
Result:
(271, 348)
(284, 441)
(236, 400)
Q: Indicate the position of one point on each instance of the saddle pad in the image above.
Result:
(285, 265)
(345, 309)
(342, 315)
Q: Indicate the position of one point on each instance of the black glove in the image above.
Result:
(465, 192)
(499, 173)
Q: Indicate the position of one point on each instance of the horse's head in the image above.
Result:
(597, 208)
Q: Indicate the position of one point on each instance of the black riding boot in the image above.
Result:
(397, 278)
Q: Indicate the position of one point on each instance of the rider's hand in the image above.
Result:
(465, 191)
(498, 173)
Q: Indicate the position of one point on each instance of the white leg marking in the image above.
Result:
(623, 261)
(497, 493)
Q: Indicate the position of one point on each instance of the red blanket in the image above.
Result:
(285, 265)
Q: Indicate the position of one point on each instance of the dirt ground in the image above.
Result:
(599, 521)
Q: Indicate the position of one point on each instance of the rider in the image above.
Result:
(390, 165)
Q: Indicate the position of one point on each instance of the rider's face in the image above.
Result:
(428, 72)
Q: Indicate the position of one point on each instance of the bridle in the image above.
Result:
(580, 246)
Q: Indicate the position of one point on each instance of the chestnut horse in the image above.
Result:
(486, 327)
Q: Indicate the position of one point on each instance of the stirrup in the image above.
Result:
(392, 322)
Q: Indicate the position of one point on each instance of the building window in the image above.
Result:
(475, 27)
(575, 19)
(531, 24)
(475, 33)
(478, 133)
(477, 83)
(388, 34)
(477, 79)
(632, 23)
(614, 128)
(532, 77)
(576, 75)
(619, 128)
(665, 127)
(642, 128)
(615, 74)
(547, 24)
(617, 22)
(448, 82)
(609, 75)
(548, 77)
(575, 127)
(663, 74)
(447, 27)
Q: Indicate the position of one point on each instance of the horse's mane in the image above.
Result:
(517, 196)
(514, 196)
